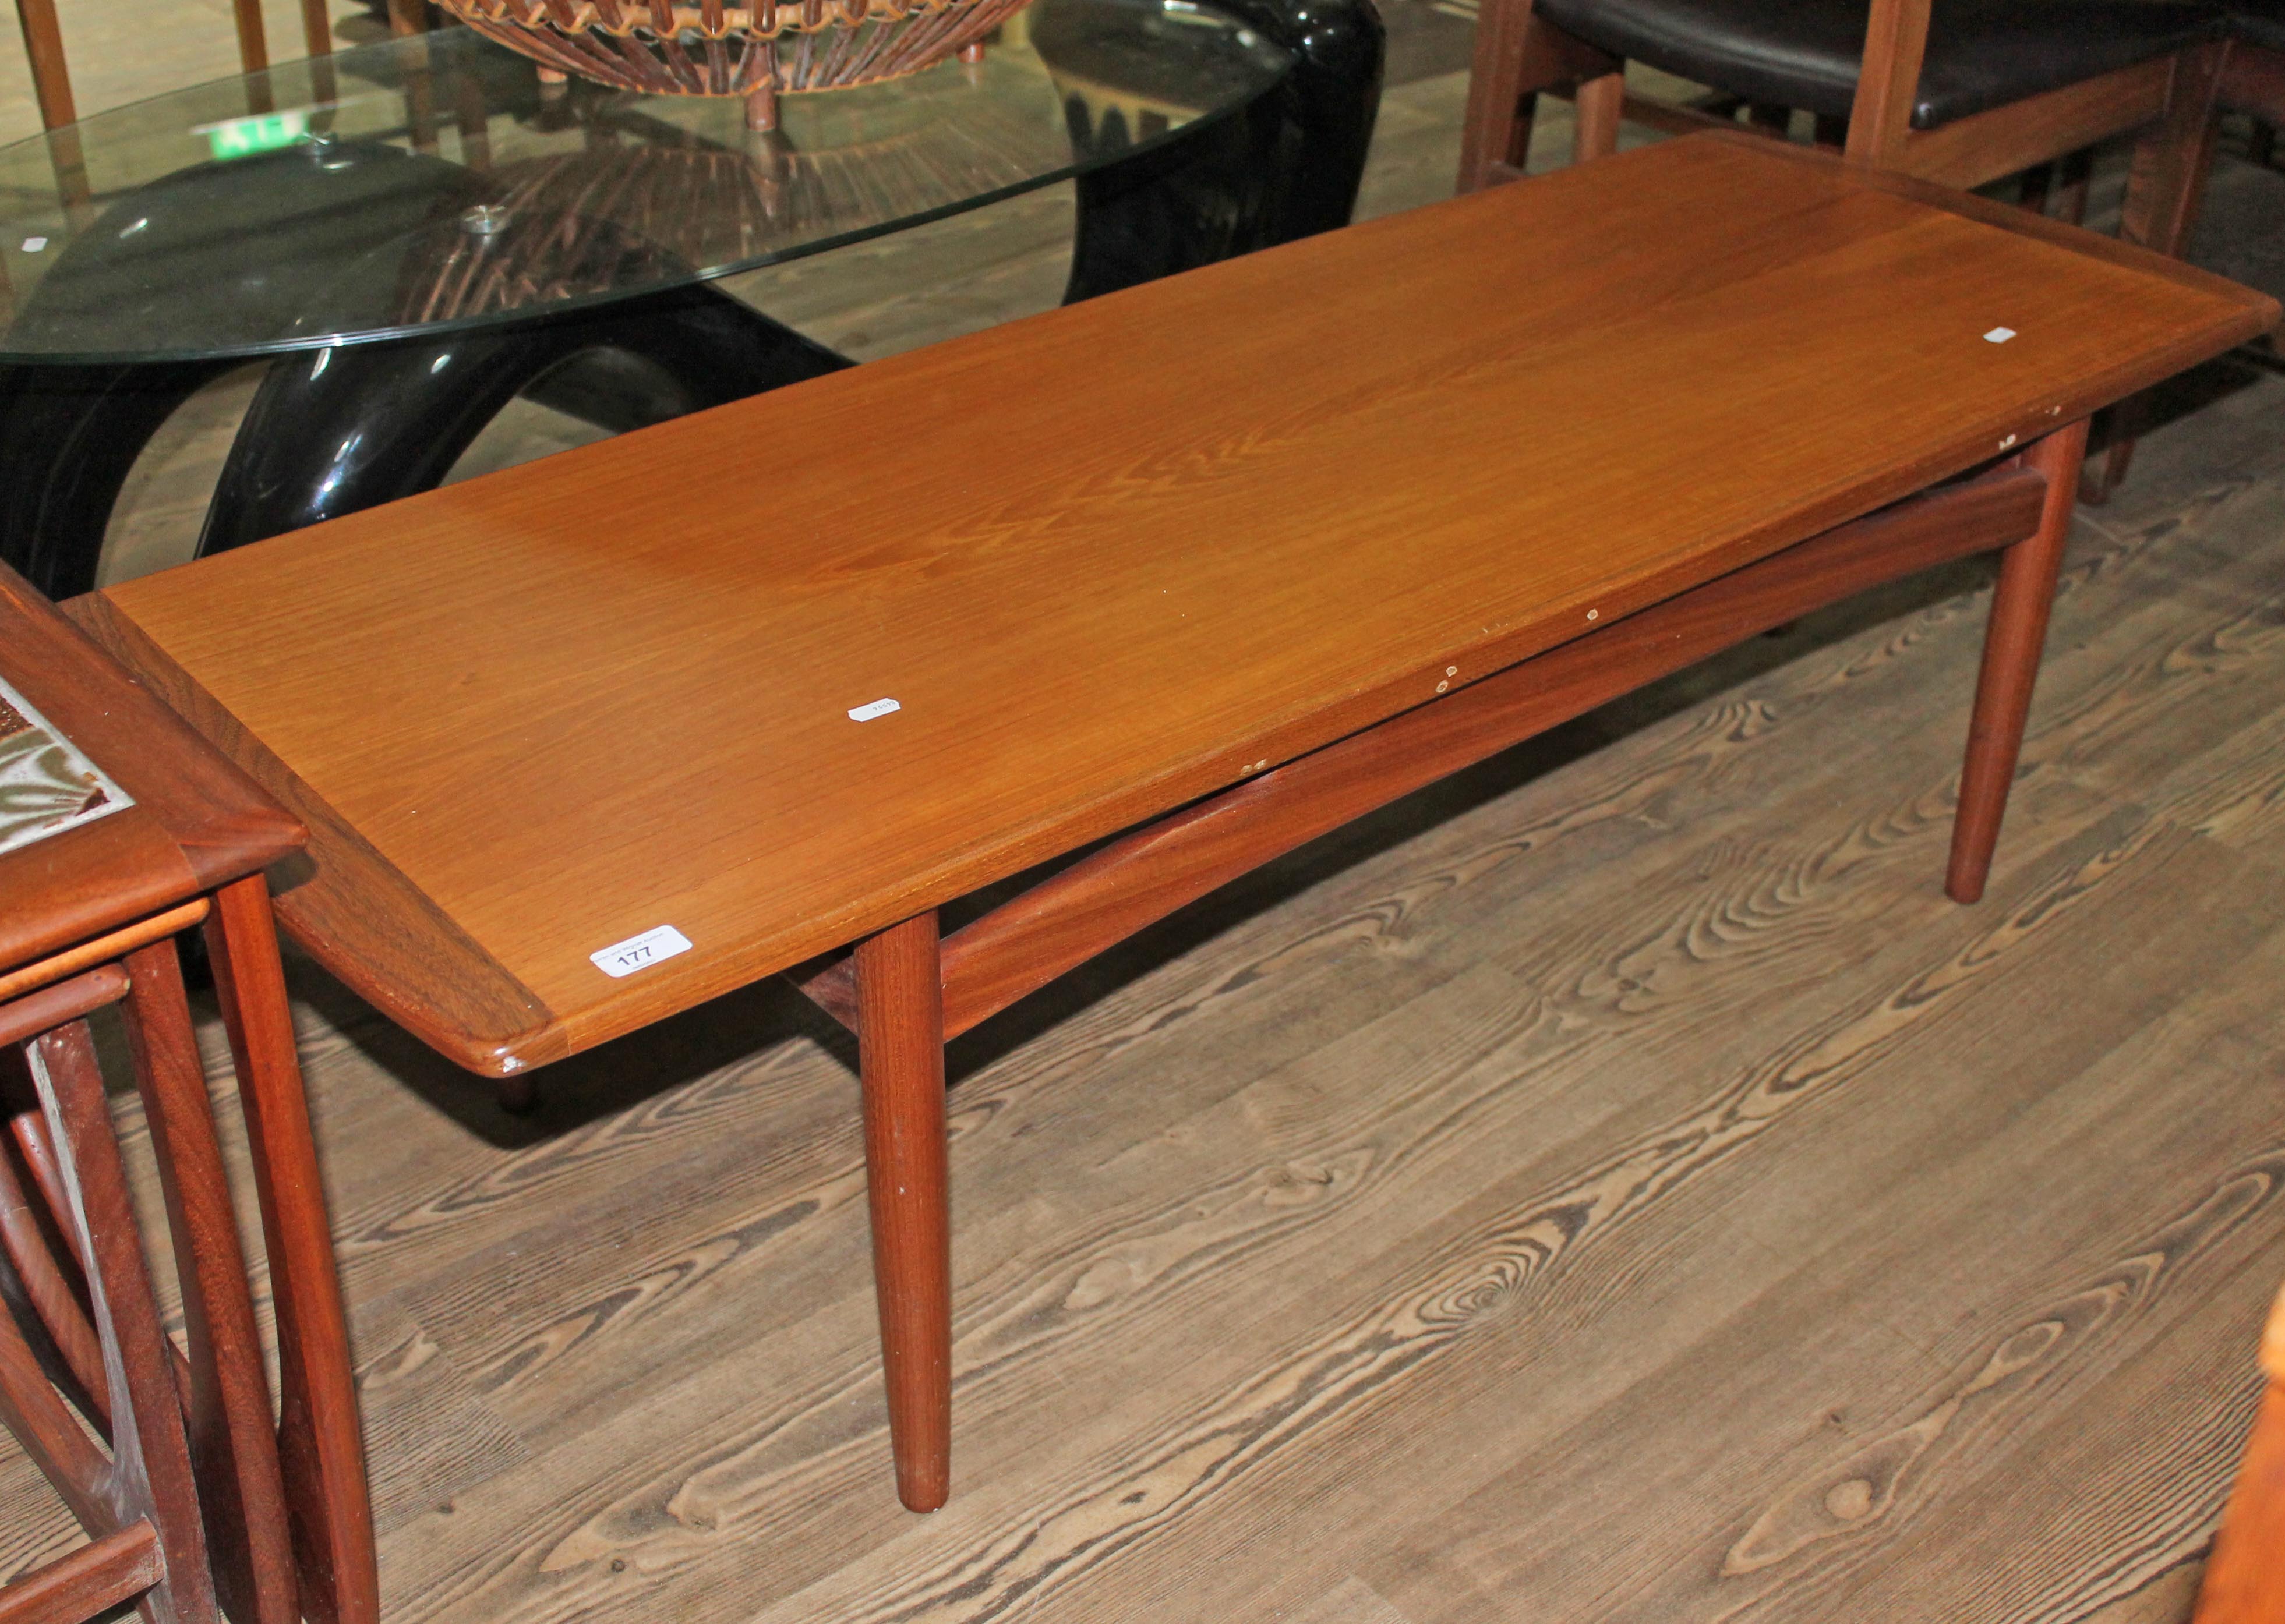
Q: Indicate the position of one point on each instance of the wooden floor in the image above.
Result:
(1614, 1185)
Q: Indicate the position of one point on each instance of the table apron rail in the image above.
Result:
(1144, 876)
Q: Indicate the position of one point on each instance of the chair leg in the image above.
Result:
(320, 1447)
(43, 45)
(253, 46)
(901, 1050)
(1599, 102)
(1495, 94)
(2165, 186)
(2012, 641)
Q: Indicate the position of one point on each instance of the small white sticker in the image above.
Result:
(879, 707)
(639, 953)
(33, 245)
(1999, 336)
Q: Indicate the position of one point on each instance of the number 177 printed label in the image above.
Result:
(639, 953)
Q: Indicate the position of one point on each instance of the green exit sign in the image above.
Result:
(263, 132)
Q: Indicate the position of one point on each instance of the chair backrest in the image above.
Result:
(43, 45)
(2245, 1579)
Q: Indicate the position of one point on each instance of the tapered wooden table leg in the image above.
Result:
(2245, 1579)
(320, 1446)
(2012, 641)
(900, 1052)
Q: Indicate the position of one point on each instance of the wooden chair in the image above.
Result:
(148, 831)
(44, 44)
(1995, 87)
(2245, 1578)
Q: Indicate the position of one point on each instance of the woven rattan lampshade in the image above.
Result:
(662, 47)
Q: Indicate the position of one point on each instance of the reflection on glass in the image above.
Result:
(436, 180)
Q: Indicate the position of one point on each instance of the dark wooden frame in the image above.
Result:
(905, 993)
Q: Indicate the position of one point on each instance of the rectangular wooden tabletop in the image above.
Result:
(1102, 560)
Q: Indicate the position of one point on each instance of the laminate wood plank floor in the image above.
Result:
(1614, 1184)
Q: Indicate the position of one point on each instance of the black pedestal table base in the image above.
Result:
(332, 431)
(68, 438)
(338, 430)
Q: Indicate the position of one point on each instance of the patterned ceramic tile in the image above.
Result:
(46, 785)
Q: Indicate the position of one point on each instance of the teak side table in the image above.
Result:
(177, 837)
(1358, 512)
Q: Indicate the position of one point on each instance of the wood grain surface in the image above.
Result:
(619, 1359)
(569, 713)
(1690, 1154)
(365, 917)
(1117, 889)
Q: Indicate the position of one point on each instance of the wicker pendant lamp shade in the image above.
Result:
(662, 47)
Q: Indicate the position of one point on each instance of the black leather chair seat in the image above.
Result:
(2260, 22)
(1805, 53)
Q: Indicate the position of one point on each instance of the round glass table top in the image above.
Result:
(433, 182)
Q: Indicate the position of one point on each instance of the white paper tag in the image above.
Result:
(1999, 336)
(879, 707)
(33, 245)
(639, 953)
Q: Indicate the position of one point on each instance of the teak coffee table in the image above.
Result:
(1222, 561)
